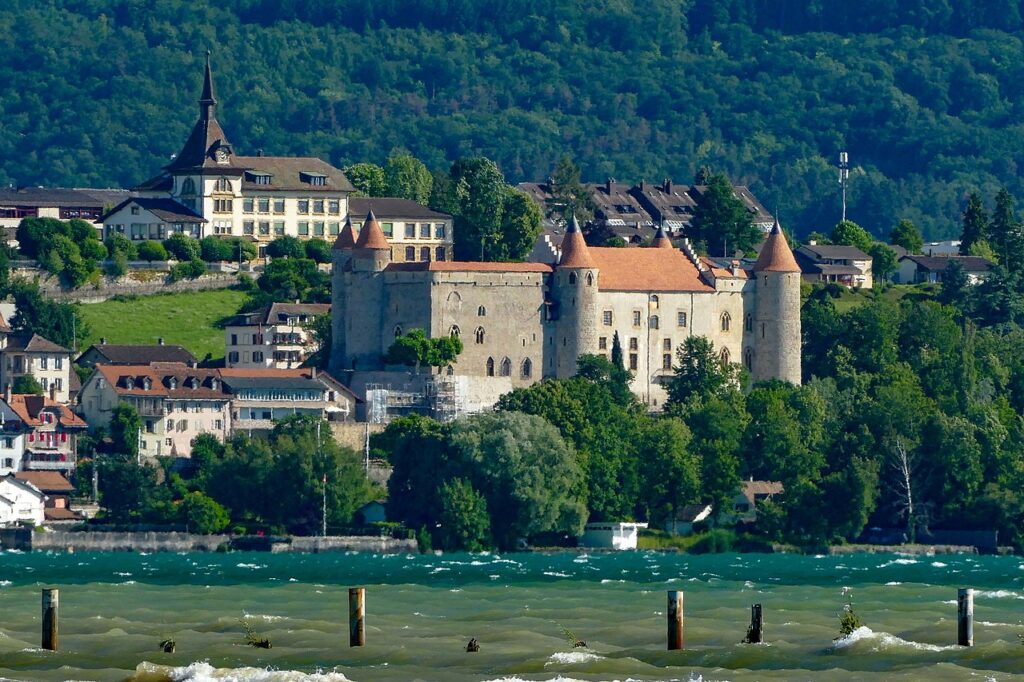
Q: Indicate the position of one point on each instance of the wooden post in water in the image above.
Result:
(965, 616)
(756, 633)
(50, 595)
(356, 614)
(675, 619)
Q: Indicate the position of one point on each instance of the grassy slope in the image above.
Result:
(188, 319)
(852, 298)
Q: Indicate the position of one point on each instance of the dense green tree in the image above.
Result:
(214, 249)
(118, 243)
(417, 449)
(699, 372)
(883, 261)
(202, 514)
(415, 349)
(405, 176)
(850, 233)
(368, 179)
(974, 222)
(464, 521)
(26, 383)
(520, 225)
(286, 247)
(477, 191)
(55, 320)
(1005, 234)
(569, 196)
(907, 235)
(720, 220)
(669, 471)
(125, 426)
(182, 247)
(288, 279)
(318, 250)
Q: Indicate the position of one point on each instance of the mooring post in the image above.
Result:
(965, 616)
(50, 595)
(356, 615)
(675, 619)
(756, 634)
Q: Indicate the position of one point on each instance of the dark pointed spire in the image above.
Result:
(208, 100)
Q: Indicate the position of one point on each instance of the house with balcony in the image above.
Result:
(42, 434)
(43, 360)
(932, 269)
(274, 337)
(835, 263)
(414, 232)
(262, 397)
(176, 403)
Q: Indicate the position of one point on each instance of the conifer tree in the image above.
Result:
(975, 223)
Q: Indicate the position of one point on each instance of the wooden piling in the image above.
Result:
(755, 635)
(50, 599)
(675, 619)
(965, 616)
(356, 616)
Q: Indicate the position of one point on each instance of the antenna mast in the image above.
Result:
(844, 177)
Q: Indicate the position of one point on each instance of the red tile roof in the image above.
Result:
(28, 407)
(161, 376)
(371, 236)
(776, 256)
(574, 249)
(626, 269)
(47, 481)
(346, 239)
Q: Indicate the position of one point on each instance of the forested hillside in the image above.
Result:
(926, 95)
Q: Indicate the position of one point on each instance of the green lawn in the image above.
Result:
(852, 298)
(188, 319)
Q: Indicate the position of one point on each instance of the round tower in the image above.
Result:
(341, 256)
(777, 341)
(661, 240)
(366, 295)
(575, 290)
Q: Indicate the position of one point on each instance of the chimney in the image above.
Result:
(160, 341)
(668, 185)
(7, 393)
(643, 185)
(735, 268)
(103, 340)
(608, 185)
(312, 372)
(259, 152)
(812, 242)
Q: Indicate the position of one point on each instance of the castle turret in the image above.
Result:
(776, 343)
(661, 240)
(363, 281)
(341, 257)
(575, 291)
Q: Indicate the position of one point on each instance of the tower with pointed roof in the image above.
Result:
(575, 289)
(776, 324)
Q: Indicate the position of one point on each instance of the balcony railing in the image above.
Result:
(49, 462)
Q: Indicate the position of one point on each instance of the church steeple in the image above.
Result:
(208, 100)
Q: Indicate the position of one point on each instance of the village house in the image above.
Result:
(44, 431)
(932, 269)
(175, 402)
(208, 189)
(276, 336)
(839, 264)
(105, 353)
(683, 521)
(415, 232)
(20, 502)
(43, 360)
(58, 491)
(751, 494)
(262, 397)
(56, 202)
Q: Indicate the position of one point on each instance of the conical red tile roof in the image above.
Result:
(776, 256)
(346, 239)
(371, 236)
(574, 249)
(661, 240)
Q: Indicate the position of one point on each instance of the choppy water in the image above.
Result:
(115, 609)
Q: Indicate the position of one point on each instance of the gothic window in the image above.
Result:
(490, 367)
(748, 323)
(398, 331)
(450, 371)
(188, 186)
(572, 278)
(726, 321)
(479, 334)
(653, 322)
(655, 301)
(527, 369)
(590, 279)
(726, 358)
(506, 368)
(454, 332)
(748, 358)
(481, 311)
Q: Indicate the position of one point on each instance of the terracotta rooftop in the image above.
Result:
(47, 481)
(661, 240)
(29, 407)
(165, 379)
(467, 266)
(347, 237)
(575, 253)
(625, 269)
(776, 256)
(371, 236)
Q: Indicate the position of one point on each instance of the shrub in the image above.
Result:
(182, 247)
(118, 264)
(203, 514)
(318, 250)
(715, 542)
(118, 243)
(215, 249)
(151, 250)
(188, 270)
(286, 247)
(26, 383)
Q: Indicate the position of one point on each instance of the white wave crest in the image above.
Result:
(202, 671)
(883, 640)
(557, 574)
(939, 564)
(998, 594)
(899, 562)
(571, 657)
(5, 583)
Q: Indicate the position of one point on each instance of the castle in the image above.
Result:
(523, 322)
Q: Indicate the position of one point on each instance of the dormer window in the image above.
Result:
(258, 177)
(193, 383)
(173, 383)
(314, 179)
(213, 383)
(129, 383)
(147, 383)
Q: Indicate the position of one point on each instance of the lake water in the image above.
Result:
(421, 611)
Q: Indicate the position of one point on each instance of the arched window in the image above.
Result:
(726, 358)
(748, 323)
(527, 369)
(655, 301)
(726, 321)
(481, 312)
(398, 331)
(188, 186)
(410, 254)
(425, 253)
(479, 334)
(490, 367)
(506, 368)
(590, 279)
(450, 371)
(654, 322)
(748, 358)
(222, 185)
(572, 278)
(454, 332)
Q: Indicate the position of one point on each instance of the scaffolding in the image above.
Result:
(440, 397)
